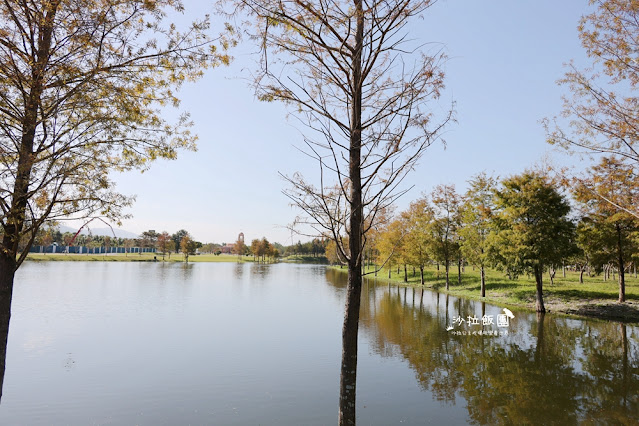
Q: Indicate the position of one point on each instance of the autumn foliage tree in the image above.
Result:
(390, 244)
(188, 246)
(602, 108)
(239, 247)
(418, 239)
(81, 84)
(476, 223)
(606, 187)
(444, 226)
(164, 243)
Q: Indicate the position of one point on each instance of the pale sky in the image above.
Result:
(504, 59)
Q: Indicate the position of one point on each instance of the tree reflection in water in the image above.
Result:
(548, 370)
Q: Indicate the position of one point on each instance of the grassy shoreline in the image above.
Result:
(593, 299)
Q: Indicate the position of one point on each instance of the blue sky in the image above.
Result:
(504, 59)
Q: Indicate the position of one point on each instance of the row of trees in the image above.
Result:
(524, 224)
(166, 244)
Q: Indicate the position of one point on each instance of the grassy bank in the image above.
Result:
(135, 257)
(593, 298)
(321, 260)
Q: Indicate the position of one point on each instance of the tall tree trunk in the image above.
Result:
(622, 278)
(348, 376)
(405, 274)
(539, 275)
(421, 273)
(483, 281)
(581, 275)
(16, 214)
(459, 263)
(447, 270)
(7, 273)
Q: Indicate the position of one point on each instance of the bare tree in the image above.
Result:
(354, 79)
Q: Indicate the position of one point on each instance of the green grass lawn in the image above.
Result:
(567, 295)
(135, 257)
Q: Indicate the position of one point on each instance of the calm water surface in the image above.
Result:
(222, 343)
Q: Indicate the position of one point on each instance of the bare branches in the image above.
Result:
(377, 87)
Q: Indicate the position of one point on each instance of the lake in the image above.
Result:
(248, 344)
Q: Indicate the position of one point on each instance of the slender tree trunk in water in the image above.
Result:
(622, 278)
(447, 322)
(421, 272)
(348, 376)
(539, 275)
(539, 349)
(405, 274)
(7, 273)
(483, 281)
(447, 269)
(624, 362)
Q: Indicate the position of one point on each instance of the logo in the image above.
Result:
(464, 326)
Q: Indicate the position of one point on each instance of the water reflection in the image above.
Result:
(261, 270)
(546, 370)
(238, 271)
(187, 271)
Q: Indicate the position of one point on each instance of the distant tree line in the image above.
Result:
(181, 242)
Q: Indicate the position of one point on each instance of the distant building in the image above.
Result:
(229, 248)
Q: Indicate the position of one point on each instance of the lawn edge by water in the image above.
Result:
(595, 300)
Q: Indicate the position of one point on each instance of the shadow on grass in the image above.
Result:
(616, 311)
(502, 285)
(589, 294)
